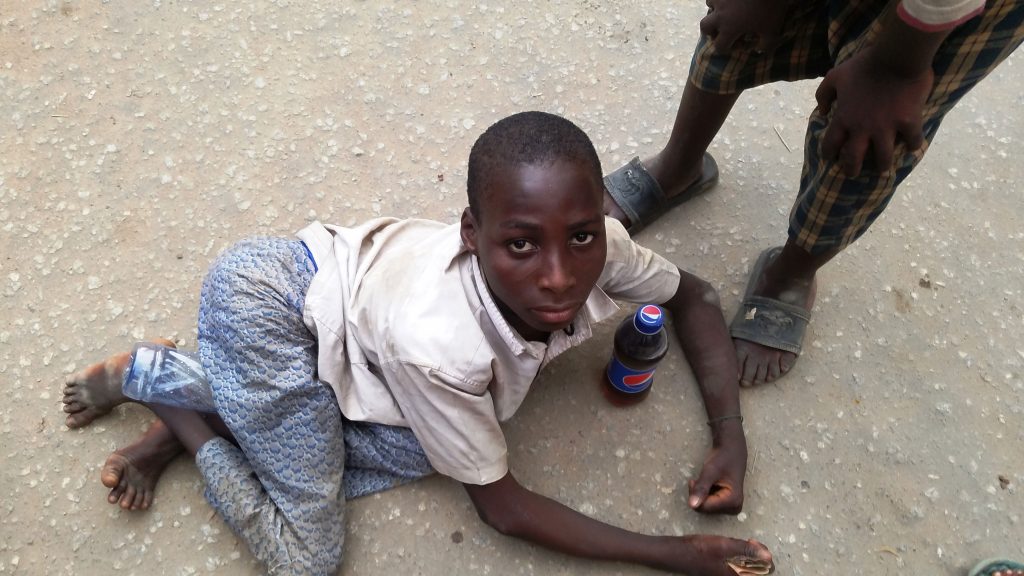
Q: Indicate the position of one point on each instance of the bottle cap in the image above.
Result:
(648, 319)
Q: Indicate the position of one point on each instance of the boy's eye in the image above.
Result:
(520, 246)
(582, 238)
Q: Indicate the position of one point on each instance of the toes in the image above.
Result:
(774, 368)
(140, 496)
(147, 500)
(111, 474)
(746, 369)
(787, 361)
(757, 365)
(77, 420)
(128, 497)
(762, 372)
(117, 491)
(81, 417)
(73, 406)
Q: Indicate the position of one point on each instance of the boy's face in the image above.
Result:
(541, 243)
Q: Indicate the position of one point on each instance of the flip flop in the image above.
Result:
(747, 566)
(767, 321)
(996, 565)
(638, 194)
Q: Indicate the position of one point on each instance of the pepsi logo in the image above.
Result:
(637, 380)
(650, 314)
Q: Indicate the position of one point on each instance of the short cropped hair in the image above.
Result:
(526, 138)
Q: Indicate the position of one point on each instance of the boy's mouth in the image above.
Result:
(556, 315)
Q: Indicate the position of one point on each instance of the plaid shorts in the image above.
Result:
(831, 210)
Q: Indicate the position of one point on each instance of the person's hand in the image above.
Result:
(719, 487)
(707, 555)
(873, 107)
(744, 24)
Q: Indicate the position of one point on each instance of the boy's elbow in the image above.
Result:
(709, 295)
(499, 520)
(693, 290)
(503, 505)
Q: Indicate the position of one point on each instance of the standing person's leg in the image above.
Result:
(639, 192)
(678, 166)
(280, 489)
(832, 211)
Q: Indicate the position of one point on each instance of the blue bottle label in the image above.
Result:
(627, 380)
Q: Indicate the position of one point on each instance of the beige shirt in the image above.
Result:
(410, 336)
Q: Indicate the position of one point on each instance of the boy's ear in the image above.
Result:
(468, 230)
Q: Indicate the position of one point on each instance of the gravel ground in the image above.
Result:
(137, 139)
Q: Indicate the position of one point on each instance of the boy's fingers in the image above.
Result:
(721, 502)
(883, 148)
(725, 41)
(709, 26)
(913, 136)
(701, 496)
(825, 95)
(696, 496)
(832, 142)
(852, 155)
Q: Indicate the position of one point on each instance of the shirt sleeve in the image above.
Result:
(938, 15)
(634, 273)
(454, 420)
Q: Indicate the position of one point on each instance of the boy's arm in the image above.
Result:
(701, 330)
(513, 510)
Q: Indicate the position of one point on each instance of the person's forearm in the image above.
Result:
(566, 530)
(904, 49)
(704, 337)
(524, 514)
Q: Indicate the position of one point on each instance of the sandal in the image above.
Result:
(767, 321)
(640, 196)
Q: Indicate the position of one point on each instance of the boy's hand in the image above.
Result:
(874, 108)
(744, 24)
(878, 95)
(719, 487)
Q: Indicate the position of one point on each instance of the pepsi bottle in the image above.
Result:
(640, 343)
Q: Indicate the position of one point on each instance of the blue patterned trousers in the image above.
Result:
(283, 488)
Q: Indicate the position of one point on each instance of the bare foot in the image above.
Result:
(131, 472)
(716, 555)
(761, 364)
(96, 389)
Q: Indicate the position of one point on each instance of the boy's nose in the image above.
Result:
(557, 275)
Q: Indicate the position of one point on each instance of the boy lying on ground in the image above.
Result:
(349, 360)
